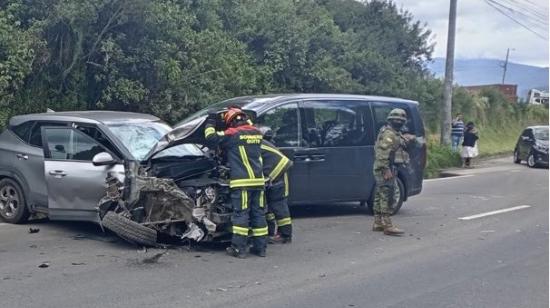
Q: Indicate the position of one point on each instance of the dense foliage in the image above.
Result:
(170, 57)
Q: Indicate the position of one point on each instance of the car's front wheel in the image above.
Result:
(531, 162)
(13, 208)
(517, 159)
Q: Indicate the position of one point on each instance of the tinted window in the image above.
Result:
(23, 130)
(336, 123)
(283, 120)
(381, 111)
(70, 144)
(541, 134)
(96, 134)
(36, 132)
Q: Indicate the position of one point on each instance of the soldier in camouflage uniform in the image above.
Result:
(389, 152)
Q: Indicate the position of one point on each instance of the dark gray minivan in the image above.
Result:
(330, 138)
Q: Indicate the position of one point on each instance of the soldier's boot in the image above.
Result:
(378, 223)
(389, 228)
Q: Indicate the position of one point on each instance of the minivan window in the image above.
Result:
(381, 111)
(337, 123)
(36, 132)
(283, 120)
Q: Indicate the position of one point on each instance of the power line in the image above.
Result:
(528, 15)
(526, 12)
(490, 3)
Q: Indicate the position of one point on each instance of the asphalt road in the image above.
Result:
(499, 260)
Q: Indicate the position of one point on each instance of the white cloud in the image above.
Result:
(483, 32)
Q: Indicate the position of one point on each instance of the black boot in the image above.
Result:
(235, 252)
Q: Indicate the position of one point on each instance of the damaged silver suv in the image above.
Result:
(153, 184)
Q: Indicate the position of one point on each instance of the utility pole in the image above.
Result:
(505, 66)
(448, 85)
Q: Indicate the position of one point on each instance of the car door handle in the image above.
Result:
(316, 158)
(58, 173)
(301, 157)
(22, 156)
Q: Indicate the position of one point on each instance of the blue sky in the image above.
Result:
(483, 32)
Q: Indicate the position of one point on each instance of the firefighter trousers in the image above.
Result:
(278, 215)
(248, 218)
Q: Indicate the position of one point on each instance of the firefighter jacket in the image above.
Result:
(275, 163)
(242, 148)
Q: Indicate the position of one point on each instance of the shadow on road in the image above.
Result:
(326, 210)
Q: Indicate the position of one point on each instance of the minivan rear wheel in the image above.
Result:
(399, 195)
(13, 207)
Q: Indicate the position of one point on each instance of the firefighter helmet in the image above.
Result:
(232, 114)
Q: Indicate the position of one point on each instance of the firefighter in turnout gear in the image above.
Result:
(275, 167)
(390, 151)
(241, 143)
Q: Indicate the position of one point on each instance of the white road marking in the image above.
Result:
(510, 209)
(449, 178)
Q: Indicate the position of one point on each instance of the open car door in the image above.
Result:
(74, 183)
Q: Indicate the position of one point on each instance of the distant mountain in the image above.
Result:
(469, 72)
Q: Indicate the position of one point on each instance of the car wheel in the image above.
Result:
(398, 196)
(517, 159)
(13, 208)
(531, 162)
(129, 230)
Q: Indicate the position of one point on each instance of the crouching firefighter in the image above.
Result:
(241, 143)
(276, 165)
(389, 151)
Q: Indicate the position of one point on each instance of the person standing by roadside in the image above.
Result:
(469, 145)
(389, 151)
(241, 143)
(457, 132)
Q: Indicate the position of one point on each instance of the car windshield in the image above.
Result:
(541, 134)
(140, 138)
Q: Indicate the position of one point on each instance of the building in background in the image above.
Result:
(510, 91)
(537, 97)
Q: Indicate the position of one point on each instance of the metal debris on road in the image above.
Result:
(44, 265)
(34, 230)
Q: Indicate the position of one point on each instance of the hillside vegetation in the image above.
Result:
(172, 57)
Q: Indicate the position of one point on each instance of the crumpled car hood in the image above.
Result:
(189, 132)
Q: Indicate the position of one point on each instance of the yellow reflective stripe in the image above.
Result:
(240, 230)
(280, 166)
(244, 158)
(221, 134)
(246, 183)
(262, 199)
(286, 184)
(259, 231)
(244, 199)
(209, 131)
(284, 222)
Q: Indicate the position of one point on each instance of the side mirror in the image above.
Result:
(103, 159)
